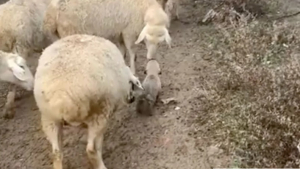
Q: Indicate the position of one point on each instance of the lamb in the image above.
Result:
(114, 20)
(81, 79)
(152, 87)
(171, 7)
(13, 69)
(21, 32)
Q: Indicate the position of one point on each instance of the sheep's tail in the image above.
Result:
(63, 106)
(49, 23)
(145, 34)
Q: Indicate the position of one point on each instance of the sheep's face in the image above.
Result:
(131, 97)
(135, 85)
(15, 70)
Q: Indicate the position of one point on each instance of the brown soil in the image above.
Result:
(163, 141)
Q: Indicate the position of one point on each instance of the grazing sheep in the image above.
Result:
(152, 87)
(21, 32)
(13, 69)
(155, 30)
(171, 7)
(114, 20)
(81, 79)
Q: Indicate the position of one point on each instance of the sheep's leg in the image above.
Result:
(9, 108)
(96, 130)
(168, 8)
(128, 41)
(26, 53)
(151, 50)
(162, 3)
(176, 10)
(122, 48)
(172, 9)
(21, 50)
(53, 132)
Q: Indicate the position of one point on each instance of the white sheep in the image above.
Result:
(21, 32)
(128, 19)
(13, 69)
(21, 28)
(152, 87)
(81, 79)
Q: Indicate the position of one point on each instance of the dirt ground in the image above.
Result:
(163, 141)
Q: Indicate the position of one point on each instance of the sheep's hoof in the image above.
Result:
(131, 100)
(8, 114)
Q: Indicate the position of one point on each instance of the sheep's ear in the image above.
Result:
(168, 37)
(137, 83)
(17, 70)
(142, 35)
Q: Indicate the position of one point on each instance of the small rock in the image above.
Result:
(214, 150)
(177, 108)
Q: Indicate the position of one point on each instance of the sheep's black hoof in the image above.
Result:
(131, 100)
(8, 114)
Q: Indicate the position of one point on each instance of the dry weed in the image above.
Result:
(253, 101)
(228, 11)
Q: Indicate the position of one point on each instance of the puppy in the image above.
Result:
(152, 87)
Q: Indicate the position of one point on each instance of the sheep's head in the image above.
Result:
(13, 69)
(154, 35)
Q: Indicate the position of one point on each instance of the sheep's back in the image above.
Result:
(81, 70)
(102, 18)
(22, 24)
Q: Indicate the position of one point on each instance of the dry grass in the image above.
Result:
(252, 105)
(227, 11)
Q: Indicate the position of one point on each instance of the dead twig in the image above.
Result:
(286, 16)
